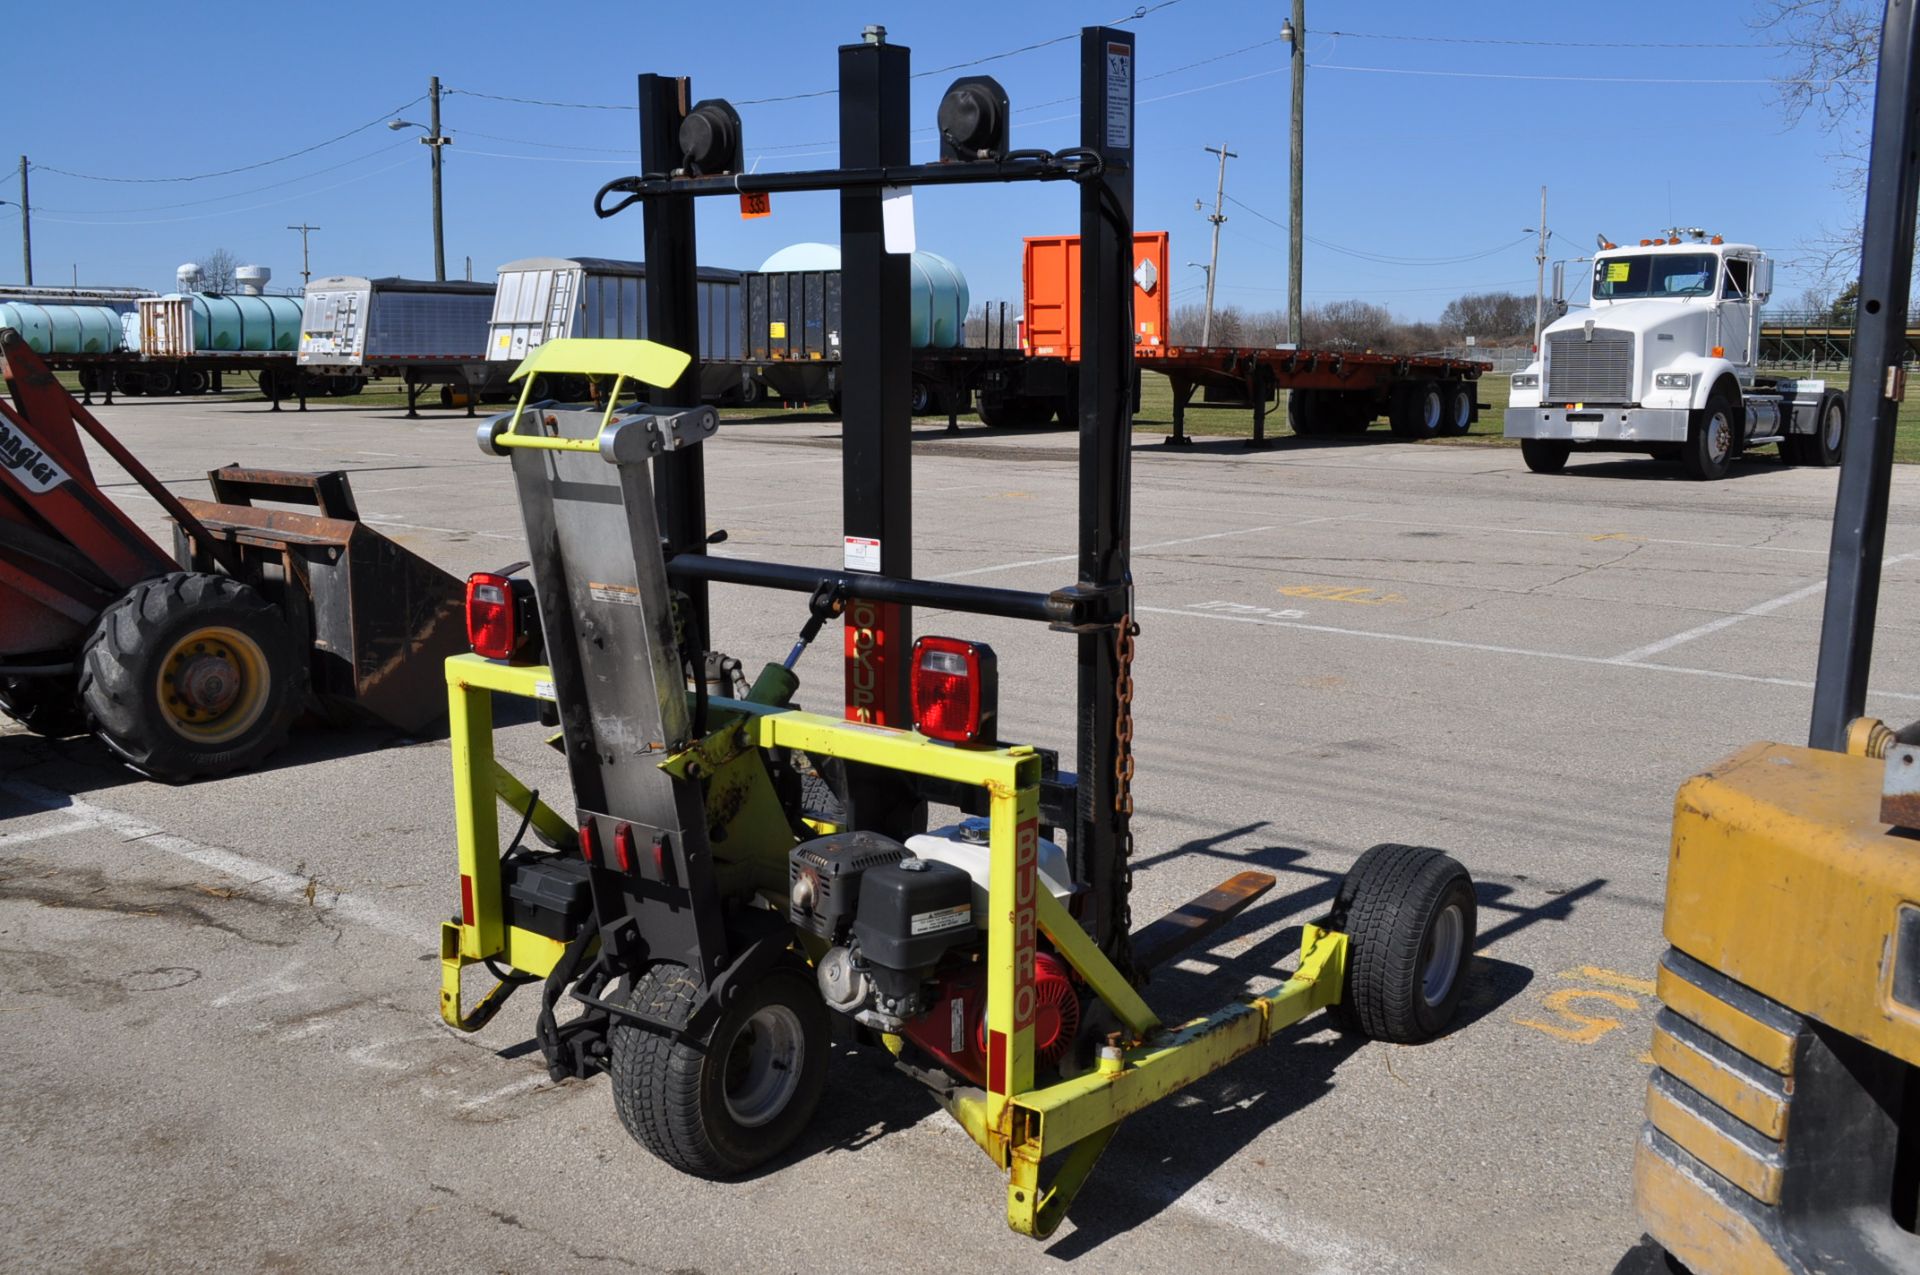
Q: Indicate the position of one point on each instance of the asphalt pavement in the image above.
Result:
(221, 1045)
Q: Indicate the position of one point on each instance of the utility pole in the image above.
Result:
(1540, 273)
(306, 275)
(1295, 34)
(26, 223)
(435, 140)
(1219, 196)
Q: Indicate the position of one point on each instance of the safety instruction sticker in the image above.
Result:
(777, 331)
(1120, 96)
(942, 919)
(1616, 272)
(862, 554)
(36, 470)
(544, 690)
(619, 594)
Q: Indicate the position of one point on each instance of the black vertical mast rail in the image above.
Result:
(1879, 347)
(673, 319)
(876, 383)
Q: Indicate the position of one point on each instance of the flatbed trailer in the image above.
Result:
(1333, 391)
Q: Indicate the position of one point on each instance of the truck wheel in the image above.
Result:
(47, 706)
(1545, 455)
(193, 381)
(1409, 915)
(129, 384)
(191, 675)
(1708, 452)
(739, 1097)
(1822, 448)
(1303, 413)
(833, 404)
(1419, 411)
(1356, 413)
(922, 397)
(1459, 407)
(160, 381)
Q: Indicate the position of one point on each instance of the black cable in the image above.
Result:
(243, 168)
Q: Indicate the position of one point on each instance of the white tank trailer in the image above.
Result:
(542, 299)
(1663, 361)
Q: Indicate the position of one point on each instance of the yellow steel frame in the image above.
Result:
(1015, 1123)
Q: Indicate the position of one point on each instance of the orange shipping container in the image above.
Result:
(1051, 326)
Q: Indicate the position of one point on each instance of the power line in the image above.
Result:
(229, 212)
(1381, 258)
(1553, 44)
(243, 168)
(233, 194)
(1565, 79)
(1139, 13)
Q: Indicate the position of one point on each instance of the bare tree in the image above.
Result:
(1834, 47)
(216, 270)
(1489, 316)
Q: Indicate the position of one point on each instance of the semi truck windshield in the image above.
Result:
(1654, 275)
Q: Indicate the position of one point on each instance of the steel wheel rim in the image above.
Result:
(1836, 424)
(1444, 945)
(1462, 412)
(763, 1064)
(212, 685)
(1433, 413)
(1719, 436)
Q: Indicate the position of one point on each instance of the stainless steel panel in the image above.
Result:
(1590, 366)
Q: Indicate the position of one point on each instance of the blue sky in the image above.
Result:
(1420, 149)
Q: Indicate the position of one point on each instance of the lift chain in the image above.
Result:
(1123, 635)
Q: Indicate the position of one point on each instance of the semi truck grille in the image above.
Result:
(1590, 371)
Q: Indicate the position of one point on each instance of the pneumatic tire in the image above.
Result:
(1713, 436)
(1307, 412)
(1545, 455)
(1458, 418)
(1409, 915)
(741, 1096)
(191, 675)
(1822, 447)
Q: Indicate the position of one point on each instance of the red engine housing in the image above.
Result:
(954, 1031)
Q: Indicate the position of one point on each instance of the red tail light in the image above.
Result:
(491, 627)
(956, 690)
(623, 847)
(587, 847)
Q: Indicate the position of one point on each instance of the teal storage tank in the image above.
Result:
(64, 329)
(224, 321)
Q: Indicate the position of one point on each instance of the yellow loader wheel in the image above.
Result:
(191, 675)
(1409, 915)
(737, 1099)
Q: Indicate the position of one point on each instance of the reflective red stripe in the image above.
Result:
(466, 899)
(997, 1062)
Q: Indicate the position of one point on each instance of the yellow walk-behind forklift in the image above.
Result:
(738, 875)
(1783, 1114)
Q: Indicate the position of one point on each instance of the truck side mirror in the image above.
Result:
(1560, 285)
(1763, 279)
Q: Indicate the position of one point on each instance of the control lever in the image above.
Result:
(828, 601)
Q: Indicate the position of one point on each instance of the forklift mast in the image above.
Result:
(1092, 803)
(1878, 384)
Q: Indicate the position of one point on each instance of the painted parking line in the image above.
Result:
(1158, 544)
(1490, 648)
(1771, 605)
(1584, 535)
(258, 876)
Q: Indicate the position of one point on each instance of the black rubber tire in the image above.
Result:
(1390, 904)
(1307, 413)
(193, 381)
(1419, 410)
(1820, 448)
(123, 661)
(670, 1095)
(1356, 413)
(129, 383)
(160, 381)
(922, 398)
(752, 392)
(1697, 454)
(48, 706)
(1545, 455)
(1457, 399)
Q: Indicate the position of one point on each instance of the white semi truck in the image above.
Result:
(1663, 362)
